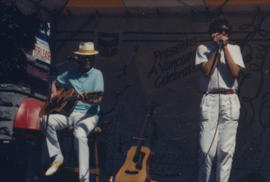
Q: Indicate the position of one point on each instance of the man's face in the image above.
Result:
(223, 30)
(85, 63)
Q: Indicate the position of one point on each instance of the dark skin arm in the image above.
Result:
(53, 89)
(95, 100)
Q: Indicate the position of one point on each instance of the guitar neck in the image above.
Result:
(148, 115)
(140, 143)
(90, 95)
(73, 97)
(94, 95)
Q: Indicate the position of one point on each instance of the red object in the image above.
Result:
(27, 116)
(226, 92)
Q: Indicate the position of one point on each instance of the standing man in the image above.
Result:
(84, 116)
(220, 63)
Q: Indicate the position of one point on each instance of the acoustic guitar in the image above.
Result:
(65, 101)
(136, 166)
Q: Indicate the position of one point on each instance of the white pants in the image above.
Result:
(224, 111)
(83, 125)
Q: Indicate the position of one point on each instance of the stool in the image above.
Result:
(92, 136)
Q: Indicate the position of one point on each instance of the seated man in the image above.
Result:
(84, 116)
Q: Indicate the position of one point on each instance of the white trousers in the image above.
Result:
(221, 112)
(83, 125)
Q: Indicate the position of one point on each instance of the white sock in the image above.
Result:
(58, 157)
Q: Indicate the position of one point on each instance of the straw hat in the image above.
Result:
(86, 49)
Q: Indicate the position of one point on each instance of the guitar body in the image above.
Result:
(130, 172)
(60, 104)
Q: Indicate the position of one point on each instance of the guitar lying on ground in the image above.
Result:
(136, 166)
(65, 101)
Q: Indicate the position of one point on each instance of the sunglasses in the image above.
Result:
(85, 58)
(225, 30)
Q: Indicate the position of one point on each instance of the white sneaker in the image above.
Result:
(54, 167)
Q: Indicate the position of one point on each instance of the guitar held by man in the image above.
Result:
(65, 100)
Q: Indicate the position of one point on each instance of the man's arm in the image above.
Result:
(98, 88)
(53, 89)
(96, 100)
(234, 68)
(206, 66)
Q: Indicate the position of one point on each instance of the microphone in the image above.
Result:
(220, 44)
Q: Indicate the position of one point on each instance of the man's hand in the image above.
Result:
(224, 39)
(53, 95)
(96, 100)
(82, 96)
(53, 90)
(234, 68)
(217, 37)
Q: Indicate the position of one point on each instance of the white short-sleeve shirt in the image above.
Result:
(222, 77)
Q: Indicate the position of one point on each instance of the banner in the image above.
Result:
(42, 50)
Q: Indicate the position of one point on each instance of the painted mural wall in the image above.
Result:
(149, 60)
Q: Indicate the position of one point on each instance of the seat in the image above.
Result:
(26, 122)
(27, 115)
(28, 136)
(70, 163)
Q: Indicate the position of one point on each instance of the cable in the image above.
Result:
(217, 58)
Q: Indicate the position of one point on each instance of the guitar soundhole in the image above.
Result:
(131, 172)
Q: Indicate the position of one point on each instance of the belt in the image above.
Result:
(226, 92)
